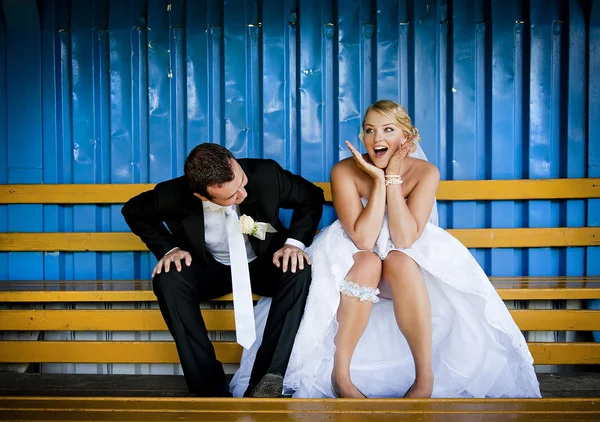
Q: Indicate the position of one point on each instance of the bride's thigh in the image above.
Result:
(366, 270)
(384, 289)
(399, 268)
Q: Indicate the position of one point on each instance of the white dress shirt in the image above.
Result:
(215, 234)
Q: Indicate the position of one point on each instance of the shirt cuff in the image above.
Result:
(295, 243)
(176, 247)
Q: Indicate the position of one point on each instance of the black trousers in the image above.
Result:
(179, 294)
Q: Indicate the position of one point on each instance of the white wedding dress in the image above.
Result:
(478, 350)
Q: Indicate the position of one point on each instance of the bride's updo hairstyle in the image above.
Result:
(397, 114)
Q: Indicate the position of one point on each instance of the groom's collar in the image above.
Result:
(211, 206)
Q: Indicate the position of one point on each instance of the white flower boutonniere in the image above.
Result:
(253, 228)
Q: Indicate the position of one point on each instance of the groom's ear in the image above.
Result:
(204, 198)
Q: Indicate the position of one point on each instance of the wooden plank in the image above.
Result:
(223, 320)
(71, 193)
(453, 190)
(528, 238)
(148, 296)
(471, 238)
(565, 353)
(546, 294)
(227, 352)
(53, 242)
(71, 291)
(302, 405)
(295, 414)
(476, 190)
(556, 320)
(242, 409)
(513, 281)
(103, 320)
(105, 351)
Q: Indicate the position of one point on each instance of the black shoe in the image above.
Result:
(222, 391)
(269, 386)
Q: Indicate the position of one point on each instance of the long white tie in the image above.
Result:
(240, 280)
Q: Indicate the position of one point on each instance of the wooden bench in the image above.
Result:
(38, 293)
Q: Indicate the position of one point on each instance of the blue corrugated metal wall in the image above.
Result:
(118, 91)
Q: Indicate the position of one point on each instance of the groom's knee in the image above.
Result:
(166, 283)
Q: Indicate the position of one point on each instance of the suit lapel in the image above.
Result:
(194, 224)
(248, 207)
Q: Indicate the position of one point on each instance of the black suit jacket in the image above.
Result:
(269, 188)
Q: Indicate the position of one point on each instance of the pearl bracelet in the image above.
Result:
(396, 180)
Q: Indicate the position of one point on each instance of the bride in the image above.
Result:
(397, 306)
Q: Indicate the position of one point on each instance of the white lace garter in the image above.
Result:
(352, 289)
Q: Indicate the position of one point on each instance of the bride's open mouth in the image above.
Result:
(380, 151)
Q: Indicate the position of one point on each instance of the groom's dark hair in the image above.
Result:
(208, 165)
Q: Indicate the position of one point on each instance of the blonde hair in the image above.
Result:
(397, 114)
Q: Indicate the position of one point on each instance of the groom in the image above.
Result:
(195, 261)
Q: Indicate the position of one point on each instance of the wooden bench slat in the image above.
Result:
(105, 352)
(308, 412)
(556, 319)
(300, 405)
(510, 282)
(449, 190)
(298, 410)
(296, 415)
(148, 295)
(509, 288)
(223, 320)
(471, 238)
(103, 320)
(227, 352)
(548, 294)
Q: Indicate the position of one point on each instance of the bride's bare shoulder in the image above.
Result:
(422, 169)
(346, 167)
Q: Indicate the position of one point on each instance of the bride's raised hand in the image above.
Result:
(370, 169)
(396, 163)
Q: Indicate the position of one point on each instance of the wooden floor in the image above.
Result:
(34, 397)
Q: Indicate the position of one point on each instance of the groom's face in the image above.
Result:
(230, 193)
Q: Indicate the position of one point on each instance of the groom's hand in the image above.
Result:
(291, 255)
(175, 256)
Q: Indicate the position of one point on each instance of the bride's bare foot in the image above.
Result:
(421, 389)
(345, 389)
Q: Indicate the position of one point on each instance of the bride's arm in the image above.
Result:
(407, 219)
(362, 224)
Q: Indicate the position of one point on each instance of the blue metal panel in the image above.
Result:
(119, 91)
(4, 270)
(431, 86)
(544, 133)
(593, 139)
(468, 112)
(312, 20)
(236, 18)
(392, 52)
(52, 261)
(573, 140)
(506, 124)
(24, 125)
(275, 80)
(351, 104)
(160, 97)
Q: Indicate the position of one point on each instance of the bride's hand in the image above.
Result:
(396, 163)
(370, 169)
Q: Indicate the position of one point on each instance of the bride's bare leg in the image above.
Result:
(413, 314)
(353, 316)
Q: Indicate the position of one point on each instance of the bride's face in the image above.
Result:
(382, 138)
